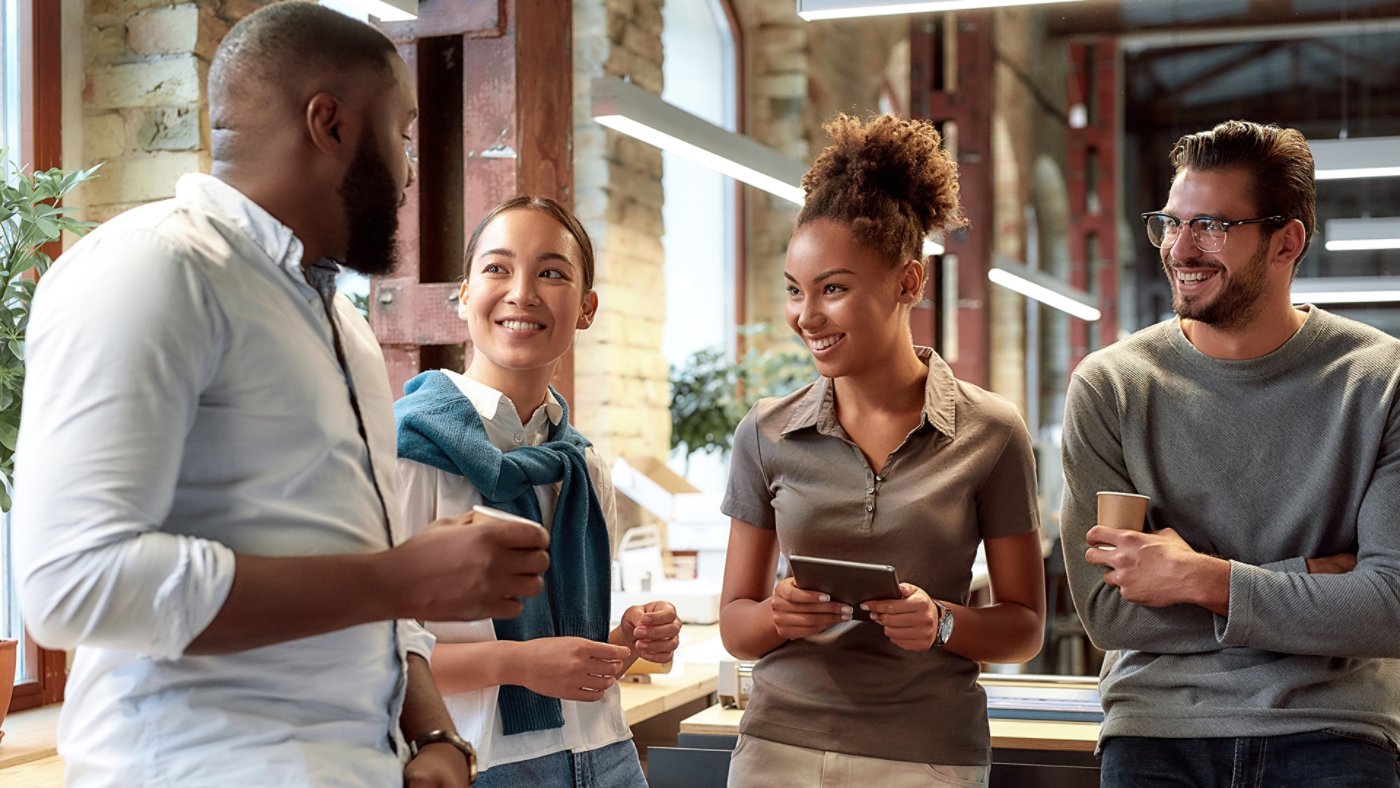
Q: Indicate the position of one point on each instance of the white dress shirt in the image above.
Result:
(184, 402)
(429, 493)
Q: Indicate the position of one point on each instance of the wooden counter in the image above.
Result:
(1038, 735)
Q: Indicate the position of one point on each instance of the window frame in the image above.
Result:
(41, 140)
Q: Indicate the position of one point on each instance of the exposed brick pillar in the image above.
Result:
(1092, 181)
(963, 53)
(621, 393)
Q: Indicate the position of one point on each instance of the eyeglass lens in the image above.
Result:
(1208, 233)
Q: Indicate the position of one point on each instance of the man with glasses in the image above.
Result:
(1251, 629)
(205, 504)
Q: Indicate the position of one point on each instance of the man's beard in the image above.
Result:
(371, 202)
(1238, 300)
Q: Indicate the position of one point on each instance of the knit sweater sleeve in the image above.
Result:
(1347, 615)
(1094, 461)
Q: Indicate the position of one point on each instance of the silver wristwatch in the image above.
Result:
(945, 626)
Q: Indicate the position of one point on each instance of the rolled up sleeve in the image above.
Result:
(123, 339)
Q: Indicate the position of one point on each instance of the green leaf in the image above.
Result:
(31, 215)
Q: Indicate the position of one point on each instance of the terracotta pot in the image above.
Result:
(7, 677)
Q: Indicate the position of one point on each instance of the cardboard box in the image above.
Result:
(690, 519)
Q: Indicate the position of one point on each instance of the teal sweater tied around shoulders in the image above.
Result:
(439, 427)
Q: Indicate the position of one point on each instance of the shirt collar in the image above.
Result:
(818, 406)
(276, 240)
(489, 402)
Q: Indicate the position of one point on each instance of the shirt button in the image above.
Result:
(869, 490)
(519, 438)
(870, 507)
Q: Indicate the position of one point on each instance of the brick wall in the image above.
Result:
(776, 64)
(143, 99)
(620, 375)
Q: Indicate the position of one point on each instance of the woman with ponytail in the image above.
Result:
(537, 693)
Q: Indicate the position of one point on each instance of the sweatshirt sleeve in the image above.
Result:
(1347, 615)
(1093, 461)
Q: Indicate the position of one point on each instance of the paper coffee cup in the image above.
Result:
(1127, 511)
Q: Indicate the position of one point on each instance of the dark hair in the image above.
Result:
(889, 179)
(281, 46)
(555, 211)
(1278, 161)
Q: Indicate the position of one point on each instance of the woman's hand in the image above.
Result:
(652, 631)
(798, 612)
(910, 623)
(568, 668)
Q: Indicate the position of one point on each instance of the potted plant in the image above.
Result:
(31, 218)
(710, 394)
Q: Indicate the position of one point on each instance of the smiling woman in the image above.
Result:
(886, 459)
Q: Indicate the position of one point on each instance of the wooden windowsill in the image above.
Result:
(30, 735)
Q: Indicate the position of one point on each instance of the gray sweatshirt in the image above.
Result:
(1266, 462)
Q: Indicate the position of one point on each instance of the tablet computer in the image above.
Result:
(848, 582)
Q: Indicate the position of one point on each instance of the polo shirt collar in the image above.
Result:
(818, 406)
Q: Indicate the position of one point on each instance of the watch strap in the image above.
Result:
(944, 628)
(441, 736)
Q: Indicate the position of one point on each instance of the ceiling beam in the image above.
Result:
(1095, 18)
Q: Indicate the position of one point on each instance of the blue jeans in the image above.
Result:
(1314, 760)
(613, 766)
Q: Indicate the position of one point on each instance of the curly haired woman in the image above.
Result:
(886, 458)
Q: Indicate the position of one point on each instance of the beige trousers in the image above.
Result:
(759, 763)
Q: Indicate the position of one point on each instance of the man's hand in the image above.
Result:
(910, 623)
(798, 612)
(1338, 564)
(458, 569)
(568, 668)
(652, 631)
(437, 766)
(1159, 569)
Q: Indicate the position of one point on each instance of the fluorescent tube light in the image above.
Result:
(383, 10)
(814, 10)
(932, 247)
(1346, 235)
(1358, 157)
(628, 109)
(1046, 289)
(1346, 289)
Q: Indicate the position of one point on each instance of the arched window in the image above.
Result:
(700, 205)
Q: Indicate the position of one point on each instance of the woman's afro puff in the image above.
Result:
(888, 178)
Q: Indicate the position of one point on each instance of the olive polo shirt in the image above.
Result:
(964, 474)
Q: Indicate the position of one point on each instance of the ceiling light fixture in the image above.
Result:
(1046, 289)
(1346, 290)
(1356, 157)
(814, 10)
(383, 10)
(1349, 235)
(626, 108)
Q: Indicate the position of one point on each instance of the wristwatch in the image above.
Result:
(945, 626)
(447, 737)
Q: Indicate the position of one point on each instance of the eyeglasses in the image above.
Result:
(1208, 232)
(410, 151)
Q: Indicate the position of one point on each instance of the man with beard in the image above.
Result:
(205, 503)
(1251, 628)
